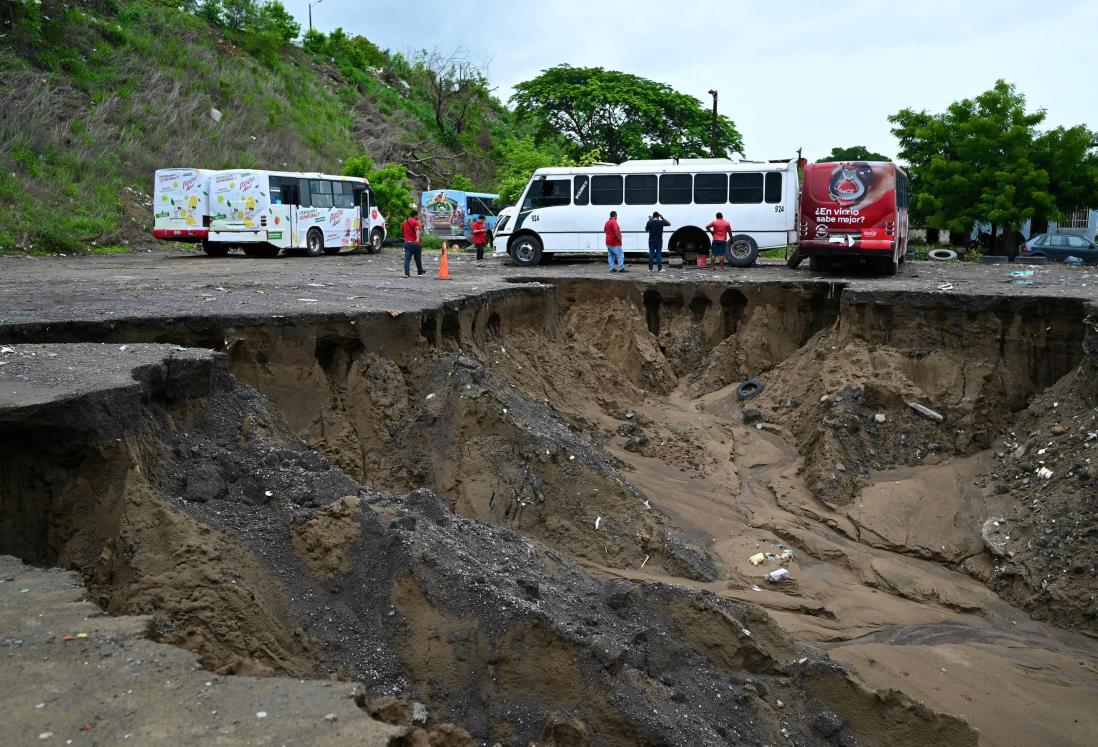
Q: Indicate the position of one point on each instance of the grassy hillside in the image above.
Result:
(94, 97)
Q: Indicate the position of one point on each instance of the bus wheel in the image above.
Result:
(376, 240)
(793, 259)
(743, 251)
(214, 250)
(314, 242)
(526, 251)
(887, 265)
(819, 264)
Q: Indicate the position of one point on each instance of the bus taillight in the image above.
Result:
(890, 227)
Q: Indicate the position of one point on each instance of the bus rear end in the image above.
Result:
(856, 209)
(442, 214)
(181, 204)
(239, 206)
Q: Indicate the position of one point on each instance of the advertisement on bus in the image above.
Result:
(856, 208)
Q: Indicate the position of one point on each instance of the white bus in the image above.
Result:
(562, 210)
(264, 212)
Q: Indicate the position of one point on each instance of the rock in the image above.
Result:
(751, 415)
(1057, 430)
(389, 710)
(205, 484)
(607, 651)
(840, 467)
(448, 735)
(994, 534)
(636, 443)
(926, 412)
(826, 723)
(530, 586)
(215, 114)
(331, 718)
(563, 731)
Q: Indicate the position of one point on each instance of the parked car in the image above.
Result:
(1059, 246)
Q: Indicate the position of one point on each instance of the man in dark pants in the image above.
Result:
(412, 248)
(655, 227)
(480, 236)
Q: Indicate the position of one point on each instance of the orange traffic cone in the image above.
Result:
(443, 265)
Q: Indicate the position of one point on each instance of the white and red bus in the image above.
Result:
(853, 210)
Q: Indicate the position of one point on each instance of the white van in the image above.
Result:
(563, 210)
(181, 204)
(263, 212)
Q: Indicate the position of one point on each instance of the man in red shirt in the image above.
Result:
(412, 248)
(614, 254)
(480, 236)
(721, 230)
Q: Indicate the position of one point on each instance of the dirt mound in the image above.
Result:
(1045, 546)
(616, 330)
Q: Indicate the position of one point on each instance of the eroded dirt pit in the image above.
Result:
(533, 512)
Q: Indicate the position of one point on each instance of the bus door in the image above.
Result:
(282, 217)
(365, 209)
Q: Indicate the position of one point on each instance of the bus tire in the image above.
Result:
(793, 259)
(214, 250)
(526, 250)
(887, 265)
(377, 239)
(314, 242)
(742, 251)
(819, 264)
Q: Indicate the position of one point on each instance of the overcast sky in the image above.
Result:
(790, 74)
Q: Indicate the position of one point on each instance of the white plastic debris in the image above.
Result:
(6, 349)
(755, 588)
(926, 412)
(880, 417)
(430, 396)
(646, 557)
(261, 714)
(1044, 472)
(598, 520)
(268, 493)
(123, 349)
(215, 114)
(778, 575)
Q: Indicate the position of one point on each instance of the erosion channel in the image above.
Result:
(532, 511)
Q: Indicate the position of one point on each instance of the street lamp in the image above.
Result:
(713, 133)
(315, 2)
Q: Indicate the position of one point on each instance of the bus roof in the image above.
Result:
(672, 165)
(298, 174)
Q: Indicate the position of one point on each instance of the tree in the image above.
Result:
(276, 21)
(1070, 158)
(389, 183)
(456, 89)
(853, 153)
(622, 115)
(518, 159)
(461, 182)
(239, 15)
(975, 162)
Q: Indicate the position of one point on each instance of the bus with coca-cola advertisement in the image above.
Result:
(853, 211)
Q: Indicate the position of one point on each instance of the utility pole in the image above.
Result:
(713, 133)
(315, 2)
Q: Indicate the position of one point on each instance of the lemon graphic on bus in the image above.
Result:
(250, 203)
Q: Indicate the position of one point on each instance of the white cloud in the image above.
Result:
(790, 74)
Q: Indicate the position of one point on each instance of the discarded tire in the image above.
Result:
(942, 255)
(991, 259)
(748, 389)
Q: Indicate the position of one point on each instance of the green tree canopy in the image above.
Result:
(976, 161)
(623, 116)
(853, 153)
(389, 183)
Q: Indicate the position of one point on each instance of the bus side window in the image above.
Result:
(291, 193)
(746, 188)
(276, 190)
(774, 187)
(321, 193)
(640, 189)
(606, 190)
(341, 195)
(579, 190)
(712, 189)
(675, 189)
(548, 193)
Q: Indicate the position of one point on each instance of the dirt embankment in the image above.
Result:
(560, 429)
(264, 557)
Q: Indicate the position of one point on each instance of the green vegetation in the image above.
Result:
(853, 153)
(984, 160)
(390, 185)
(620, 115)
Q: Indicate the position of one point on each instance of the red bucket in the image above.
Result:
(701, 261)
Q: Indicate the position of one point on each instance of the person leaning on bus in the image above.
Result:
(720, 228)
(480, 236)
(412, 247)
(614, 253)
(654, 227)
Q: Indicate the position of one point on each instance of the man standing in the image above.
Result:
(655, 227)
(614, 254)
(412, 248)
(720, 228)
(480, 237)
